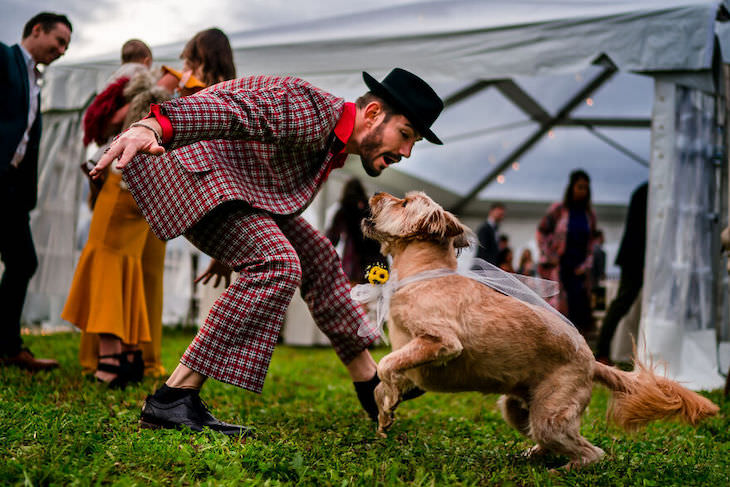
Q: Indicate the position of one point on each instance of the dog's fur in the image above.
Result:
(453, 334)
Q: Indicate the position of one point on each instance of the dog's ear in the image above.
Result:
(462, 234)
(444, 225)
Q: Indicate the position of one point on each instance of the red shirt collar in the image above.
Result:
(346, 123)
(343, 132)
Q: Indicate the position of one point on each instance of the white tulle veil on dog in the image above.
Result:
(529, 290)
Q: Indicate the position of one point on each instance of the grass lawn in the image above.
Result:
(60, 429)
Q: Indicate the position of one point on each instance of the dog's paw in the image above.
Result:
(385, 421)
(534, 451)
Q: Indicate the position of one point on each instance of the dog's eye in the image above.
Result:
(404, 203)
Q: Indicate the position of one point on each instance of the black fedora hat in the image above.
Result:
(411, 96)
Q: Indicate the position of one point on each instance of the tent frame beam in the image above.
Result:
(545, 127)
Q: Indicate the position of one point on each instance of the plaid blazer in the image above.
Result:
(263, 140)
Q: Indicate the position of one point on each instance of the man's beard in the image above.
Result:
(369, 148)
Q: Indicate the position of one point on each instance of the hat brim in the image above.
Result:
(378, 89)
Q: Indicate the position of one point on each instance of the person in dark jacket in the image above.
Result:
(45, 38)
(630, 259)
(487, 234)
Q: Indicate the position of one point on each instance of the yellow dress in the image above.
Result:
(117, 285)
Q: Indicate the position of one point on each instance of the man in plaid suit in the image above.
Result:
(232, 168)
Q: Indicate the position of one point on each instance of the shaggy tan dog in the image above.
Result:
(452, 334)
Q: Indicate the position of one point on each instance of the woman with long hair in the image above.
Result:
(565, 239)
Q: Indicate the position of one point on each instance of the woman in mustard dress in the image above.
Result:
(116, 293)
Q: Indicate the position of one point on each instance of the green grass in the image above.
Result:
(59, 429)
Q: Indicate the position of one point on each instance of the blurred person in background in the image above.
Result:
(505, 257)
(45, 38)
(527, 264)
(565, 239)
(630, 259)
(359, 252)
(487, 234)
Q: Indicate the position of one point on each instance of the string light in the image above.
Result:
(589, 102)
(551, 134)
(516, 166)
(500, 179)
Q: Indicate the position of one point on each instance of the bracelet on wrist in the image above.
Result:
(158, 137)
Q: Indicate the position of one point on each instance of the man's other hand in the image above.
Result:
(218, 270)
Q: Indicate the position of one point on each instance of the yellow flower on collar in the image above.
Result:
(377, 274)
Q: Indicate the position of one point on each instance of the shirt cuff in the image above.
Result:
(164, 122)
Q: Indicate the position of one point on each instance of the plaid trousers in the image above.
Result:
(274, 255)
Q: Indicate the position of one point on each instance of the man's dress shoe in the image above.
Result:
(25, 360)
(188, 411)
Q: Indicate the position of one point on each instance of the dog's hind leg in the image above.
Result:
(419, 351)
(516, 413)
(555, 412)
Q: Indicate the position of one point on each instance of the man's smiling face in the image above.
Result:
(387, 142)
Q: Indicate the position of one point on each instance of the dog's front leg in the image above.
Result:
(419, 351)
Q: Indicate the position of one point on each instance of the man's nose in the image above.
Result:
(406, 149)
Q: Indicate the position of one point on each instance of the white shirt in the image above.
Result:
(34, 89)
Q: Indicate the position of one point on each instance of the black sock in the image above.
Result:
(364, 392)
(167, 394)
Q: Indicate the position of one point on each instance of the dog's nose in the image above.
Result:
(377, 193)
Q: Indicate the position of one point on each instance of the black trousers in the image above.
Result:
(579, 299)
(17, 253)
(628, 289)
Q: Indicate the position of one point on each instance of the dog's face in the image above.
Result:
(415, 217)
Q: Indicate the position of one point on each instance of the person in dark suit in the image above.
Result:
(45, 38)
(487, 234)
(630, 259)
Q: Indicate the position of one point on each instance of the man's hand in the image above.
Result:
(217, 269)
(132, 141)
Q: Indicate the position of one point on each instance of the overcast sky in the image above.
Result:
(101, 26)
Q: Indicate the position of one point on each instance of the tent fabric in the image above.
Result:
(678, 326)
(455, 40)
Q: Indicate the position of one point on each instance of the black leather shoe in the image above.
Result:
(188, 411)
(366, 394)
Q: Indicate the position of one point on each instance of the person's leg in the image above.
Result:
(19, 259)
(628, 289)
(110, 348)
(238, 337)
(579, 306)
(236, 342)
(153, 267)
(326, 290)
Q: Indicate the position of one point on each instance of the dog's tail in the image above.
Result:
(642, 396)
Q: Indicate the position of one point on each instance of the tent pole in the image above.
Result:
(724, 181)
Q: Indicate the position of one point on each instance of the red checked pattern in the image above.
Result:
(275, 155)
(273, 257)
(251, 186)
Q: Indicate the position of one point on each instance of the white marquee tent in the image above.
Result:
(514, 74)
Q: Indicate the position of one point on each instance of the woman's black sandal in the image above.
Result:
(122, 370)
